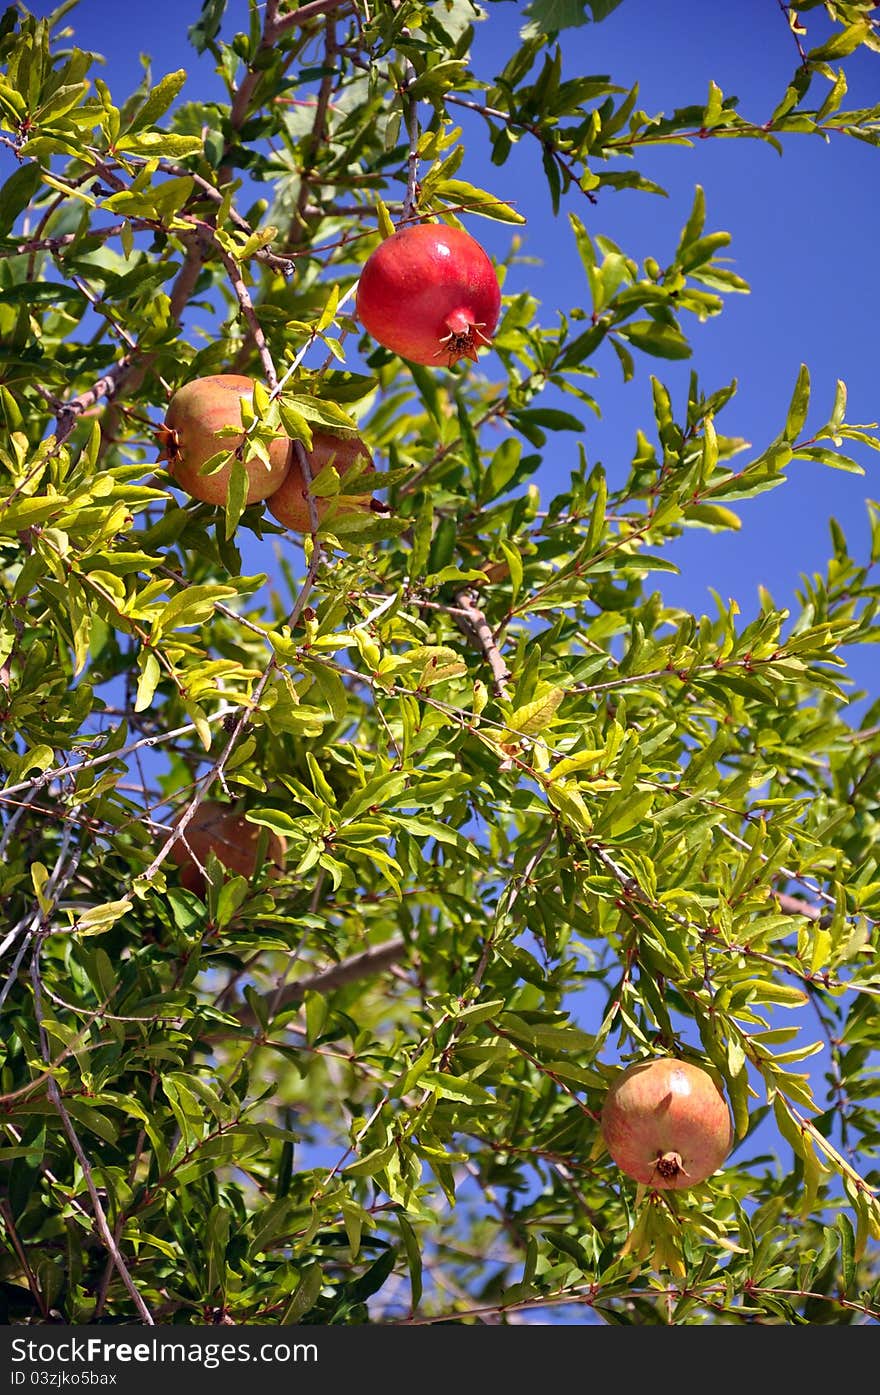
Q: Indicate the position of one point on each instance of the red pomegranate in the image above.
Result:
(666, 1123)
(215, 827)
(429, 292)
(188, 438)
(290, 505)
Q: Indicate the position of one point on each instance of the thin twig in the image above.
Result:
(791, 19)
(411, 199)
(54, 1095)
(106, 386)
(318, 136)
(58, 771)
(32, 1281)
(513, 891)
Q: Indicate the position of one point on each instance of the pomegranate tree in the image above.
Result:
(666, 1123)
(196, 413)
(217, 828)
(430, 293)
(290, 504)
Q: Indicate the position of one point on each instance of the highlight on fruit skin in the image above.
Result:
(216, 827)
(290, 504)
(188, 438)
(666, 1124)
(430, 293)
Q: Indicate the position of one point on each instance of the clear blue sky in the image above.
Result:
(804, 231)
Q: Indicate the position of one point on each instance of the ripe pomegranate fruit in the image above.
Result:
(216, 828)
(290, 505)
(666, 1123)
(188, 438)
(428, 293)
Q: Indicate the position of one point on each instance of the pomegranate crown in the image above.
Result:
(463, 339)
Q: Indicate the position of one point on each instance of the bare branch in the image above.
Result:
(143, 742)
(473, 623)
(793, 905)
(411, 199)
(318, 134)
(367, 964)
(509, 899)
(100, 1215)
(106, 386)
(295, 19)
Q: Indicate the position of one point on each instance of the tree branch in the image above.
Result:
(243, 295)
(367, 964)
(793, 905)
(295, 19)
(318, 135)
(473, 623)
(410, 202)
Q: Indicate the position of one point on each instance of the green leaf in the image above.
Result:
(202, 35)
(413, 1259)
(386, 222)
(17, 192)
(159, 100)
(548, 17)
(332, 689)
(42, 292)
(662, 341)
(474, 200)
(454, 1087)
(800, 402)
(502, 468)
(161, 143)
(847, 1250)
(236, 496)
(713, 516)
(319, 410)
(305, 1295)
(92, 1120)
(372, 1280)
(192, 606)
(373, 1162)
(843, 43)
(693, 228)
(100, 918)
(149, 678)
(536, 715)
(836, 459)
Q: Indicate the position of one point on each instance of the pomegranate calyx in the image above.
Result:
(461, 341)
(168, 442)
(670, 1165)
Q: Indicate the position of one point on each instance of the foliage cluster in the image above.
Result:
(538, 821)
